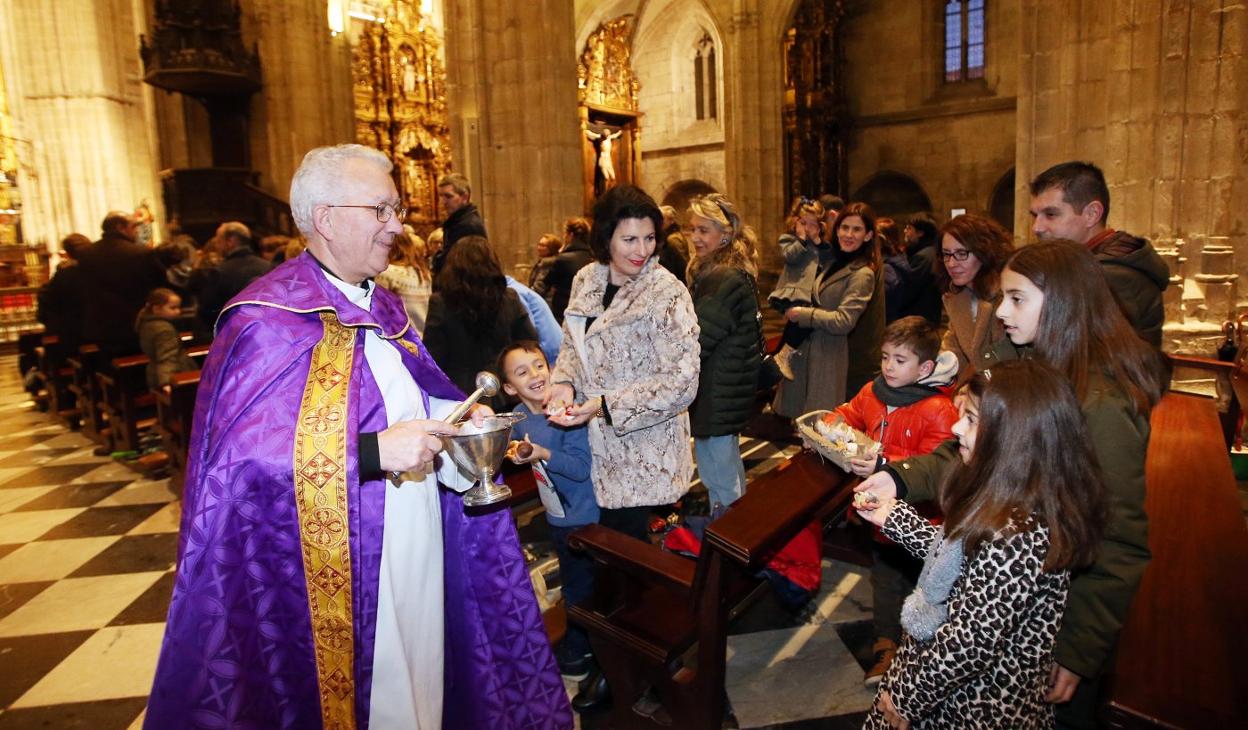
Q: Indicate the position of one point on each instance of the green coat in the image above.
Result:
(727, 310)
(1100, 594)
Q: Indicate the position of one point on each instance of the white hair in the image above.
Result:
(319, 178)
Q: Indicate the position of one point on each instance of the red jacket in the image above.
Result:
(908, 431)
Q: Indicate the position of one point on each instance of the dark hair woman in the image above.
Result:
(472, 313)
(843, 352)
(629, 364)
(973, 248)
(573, 257)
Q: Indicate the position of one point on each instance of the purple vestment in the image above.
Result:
(238, 649)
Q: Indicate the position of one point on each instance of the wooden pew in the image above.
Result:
(124, 399)
(1181, 650)
(57, 376)
(658, 619)
(84, 364)
(175, 411)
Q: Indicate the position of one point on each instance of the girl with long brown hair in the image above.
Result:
(409, 276)
(1057, 308)
(1024, 507)
(472, 314)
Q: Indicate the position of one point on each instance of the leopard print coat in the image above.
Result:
(988, 665)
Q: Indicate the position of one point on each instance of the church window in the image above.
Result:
(964, 40)
(705, 80)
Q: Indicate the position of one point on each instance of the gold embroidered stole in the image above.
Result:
(321, 500)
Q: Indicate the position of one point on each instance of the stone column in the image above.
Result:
(306, 100)
(511, 88)
(78, 100)
(753, 137)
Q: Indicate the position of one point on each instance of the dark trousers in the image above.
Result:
(576, 572)
(632, 521)
(1080, 712)
(794, 334)
(893, 577)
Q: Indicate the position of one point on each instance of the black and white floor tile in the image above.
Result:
(87, 550)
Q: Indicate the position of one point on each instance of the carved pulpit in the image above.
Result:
(610, 120)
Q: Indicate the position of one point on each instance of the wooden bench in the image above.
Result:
(175, 411)
(84, 364)
(660, 620)
(57, 377)
(125, 401)
(1181, 651)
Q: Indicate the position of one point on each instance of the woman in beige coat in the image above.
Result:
(629, 364)
(973, 249)
(847, 319)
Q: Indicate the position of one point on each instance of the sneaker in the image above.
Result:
(884, 650)
(572, 666)
(783, 362)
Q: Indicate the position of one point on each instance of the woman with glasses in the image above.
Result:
(973, 249)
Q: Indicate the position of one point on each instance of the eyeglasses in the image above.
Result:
(384, 211)
(960, 255)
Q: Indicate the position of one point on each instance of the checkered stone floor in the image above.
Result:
(87, 550)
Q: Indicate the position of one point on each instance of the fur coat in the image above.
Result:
(642, 356)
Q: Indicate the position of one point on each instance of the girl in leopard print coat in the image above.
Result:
(1025, 506)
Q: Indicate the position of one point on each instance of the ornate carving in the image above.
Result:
(605, 71)
(814, 102)
(400, 100)
(197, 48)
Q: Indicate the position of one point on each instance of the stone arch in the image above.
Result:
(1001, 202)
(679, 193)
(894, 194)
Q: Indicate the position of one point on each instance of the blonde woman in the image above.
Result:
(409, 276)
(722, 282)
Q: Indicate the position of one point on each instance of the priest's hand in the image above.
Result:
(411, 445)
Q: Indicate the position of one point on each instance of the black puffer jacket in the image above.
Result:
(727, 312)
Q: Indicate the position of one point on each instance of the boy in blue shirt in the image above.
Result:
(561, 465)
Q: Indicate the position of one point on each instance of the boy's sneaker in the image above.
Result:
(884, 650)
(572, 666)
(783, 362)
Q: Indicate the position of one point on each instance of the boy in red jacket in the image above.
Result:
(908, 410)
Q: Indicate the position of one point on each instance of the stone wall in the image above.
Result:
(675, 144)
(81, 108)
(955, 140)
(1153, 92)
(511, 88)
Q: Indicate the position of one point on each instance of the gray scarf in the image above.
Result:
(927, 607)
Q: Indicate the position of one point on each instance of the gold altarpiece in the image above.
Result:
(400, 102)
(610, 120)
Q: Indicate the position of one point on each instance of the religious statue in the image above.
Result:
(605, 162)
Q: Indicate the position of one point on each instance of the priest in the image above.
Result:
(328, 575)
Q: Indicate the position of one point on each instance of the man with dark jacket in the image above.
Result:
(240, 265)
(61, 300)
(118, 273)
(462, 217)
(574, 256)
(1071, 201)
(922, 248)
